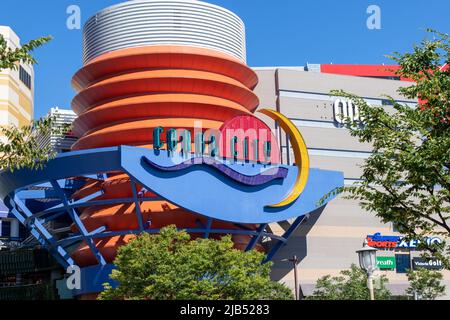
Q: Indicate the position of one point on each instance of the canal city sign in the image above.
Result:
(232, 175)
(397, 242)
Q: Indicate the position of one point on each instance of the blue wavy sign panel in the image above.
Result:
(221, 190)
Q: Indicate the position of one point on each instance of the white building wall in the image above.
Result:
(59, 143)
(164, 22)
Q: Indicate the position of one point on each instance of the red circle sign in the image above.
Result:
(249, 138)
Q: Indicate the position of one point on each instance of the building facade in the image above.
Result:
(16, 88)
(326, 243)
(59, 143)
(16, 108)
(151, 68)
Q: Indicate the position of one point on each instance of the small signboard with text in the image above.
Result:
(380, 241)
(386, 263)
(429, 264)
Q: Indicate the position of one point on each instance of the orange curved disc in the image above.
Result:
(158, 105)
(138, 132)
(162, 81)
(122, 96)
(161, 57)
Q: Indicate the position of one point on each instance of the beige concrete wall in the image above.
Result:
(16, 100)
(327, 242)
(324, 83)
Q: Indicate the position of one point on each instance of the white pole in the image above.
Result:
(370, 286)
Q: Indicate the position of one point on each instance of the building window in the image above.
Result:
(25, 77)
(6, 230)
(403, 263)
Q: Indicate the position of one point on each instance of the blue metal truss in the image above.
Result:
(39, 231)
(25, 188)
(137, 205)
(286, 236)
(35, 221)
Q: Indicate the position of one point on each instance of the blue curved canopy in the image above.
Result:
(201, 189)
(205, 190)
(216, 188)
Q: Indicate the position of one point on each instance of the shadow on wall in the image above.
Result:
(296, 245)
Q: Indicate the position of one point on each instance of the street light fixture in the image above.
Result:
(368, 262)
(295, 260)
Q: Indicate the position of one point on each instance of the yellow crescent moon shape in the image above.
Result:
(300, 154)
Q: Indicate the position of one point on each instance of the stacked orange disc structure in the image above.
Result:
(167, 63)
(125, 94)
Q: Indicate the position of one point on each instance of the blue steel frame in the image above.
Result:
(23, 188)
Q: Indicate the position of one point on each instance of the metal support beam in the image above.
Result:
(36, 194)
(110, 234)
(208, 227)
(60, 207)
(79, 224)
(41, 233)
(137, 205)
(69, 241)
(256, 238)
(286, 236)
(97, 203)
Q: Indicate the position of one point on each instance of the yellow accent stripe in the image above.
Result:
(8, 106)
(300, 153)
(25, 102)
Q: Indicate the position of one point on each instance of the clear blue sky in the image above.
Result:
(279, 32)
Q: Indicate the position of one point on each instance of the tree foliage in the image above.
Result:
(406, 180)
(21, 148)
(171, 266)
(425, 284)
(11, 58)
(350, 285)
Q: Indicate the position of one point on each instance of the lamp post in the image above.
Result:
(295, 260)
(368, 262)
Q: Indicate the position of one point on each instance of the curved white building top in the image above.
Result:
(164, 22)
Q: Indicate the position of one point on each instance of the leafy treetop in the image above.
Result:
(172, 266)
(406, 180)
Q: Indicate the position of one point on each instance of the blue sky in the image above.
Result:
(281, 32)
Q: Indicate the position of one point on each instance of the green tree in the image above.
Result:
(171, 266)
(22, 149)
(350, 285)
(11, 58)
(406, 180)
(425, 284)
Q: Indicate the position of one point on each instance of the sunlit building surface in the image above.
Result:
(17, 109)
(154, 72)
(167, 134)
(59, 143)
(326, 243)
(16, 88)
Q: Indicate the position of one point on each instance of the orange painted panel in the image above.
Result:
(167, 81)
(122, 96)
(137, 132)
(161, 57)
(158, 105)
